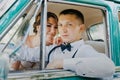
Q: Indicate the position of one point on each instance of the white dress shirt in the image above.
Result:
(87, 61)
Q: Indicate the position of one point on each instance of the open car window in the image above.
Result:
(84, 9)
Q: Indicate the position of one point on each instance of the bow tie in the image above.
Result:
(66, 46)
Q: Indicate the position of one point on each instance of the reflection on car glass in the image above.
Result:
(5, 5)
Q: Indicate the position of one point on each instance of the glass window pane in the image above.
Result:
(97, 32)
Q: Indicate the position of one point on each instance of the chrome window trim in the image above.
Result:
(43, 34)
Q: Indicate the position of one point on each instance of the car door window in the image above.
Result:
(97, 32)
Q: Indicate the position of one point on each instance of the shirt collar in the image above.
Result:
(77, 43)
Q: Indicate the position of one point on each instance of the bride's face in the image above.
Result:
(51, 30)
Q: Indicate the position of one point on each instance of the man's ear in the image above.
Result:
(82, 27)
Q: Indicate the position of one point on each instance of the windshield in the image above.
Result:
(4, 6)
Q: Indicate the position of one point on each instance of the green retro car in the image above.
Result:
(102, 32)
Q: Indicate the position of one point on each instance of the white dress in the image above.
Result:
(28, 54)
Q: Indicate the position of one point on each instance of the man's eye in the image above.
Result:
(56, 27)
(69, 24)
(48, 25)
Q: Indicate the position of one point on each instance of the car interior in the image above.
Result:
(93, 16)
(95, 34)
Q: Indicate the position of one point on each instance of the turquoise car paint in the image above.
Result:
(12, 13)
